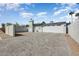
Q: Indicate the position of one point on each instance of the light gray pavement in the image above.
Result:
(35, 44)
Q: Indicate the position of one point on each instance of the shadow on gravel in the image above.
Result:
(18, 35)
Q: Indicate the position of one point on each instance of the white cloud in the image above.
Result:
(13, 6)
(2, 4)
(21, 9)
(55, 8)
(71, 4)
(77, 11)
(65, 17)
(58, 12)
(10, 6)
(29, 3)
(66, 8)
(41, 13)
(26, 15)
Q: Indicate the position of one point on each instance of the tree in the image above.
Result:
(3, 25)
(9, 24)
(43, 23)
(31, 19)
(71, 13)
(17, 24)
(77, 15)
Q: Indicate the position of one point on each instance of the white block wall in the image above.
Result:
(54, 29)
(38, 29)
(10, 30)
(74, 31)
(21, 29)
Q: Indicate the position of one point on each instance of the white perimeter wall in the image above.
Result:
(74, 31)
(38, 29)
(54, 29)
(21, 29)
(10, 30)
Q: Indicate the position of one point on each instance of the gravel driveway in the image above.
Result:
(35, 44)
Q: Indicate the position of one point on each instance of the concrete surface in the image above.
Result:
(35, 44)
(73, 45)
(4, 36)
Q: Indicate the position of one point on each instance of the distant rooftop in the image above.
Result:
(50, 24)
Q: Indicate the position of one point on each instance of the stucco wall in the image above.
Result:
(38, 29)
(21, 29)
(31, 27)
(54, 29)
(10, 30)
(73, 30)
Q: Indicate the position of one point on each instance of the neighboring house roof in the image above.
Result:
(50, 24)
(37, 24)
(22, 25)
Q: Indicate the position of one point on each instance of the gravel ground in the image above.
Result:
(35, 44)
(74, 46)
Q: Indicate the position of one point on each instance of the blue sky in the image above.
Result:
(23, 12)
